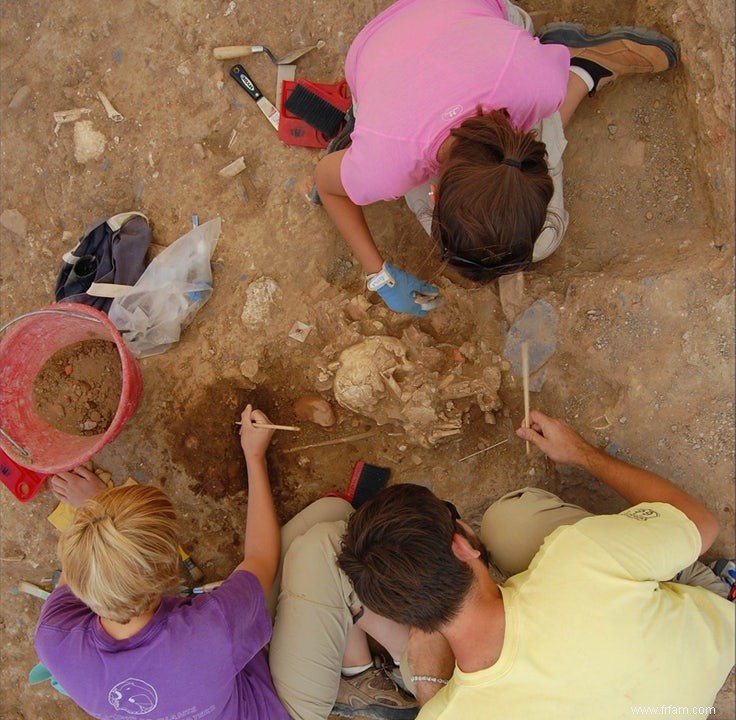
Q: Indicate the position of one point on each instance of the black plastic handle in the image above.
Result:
(238, 73)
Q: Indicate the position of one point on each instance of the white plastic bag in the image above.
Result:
(176, 284)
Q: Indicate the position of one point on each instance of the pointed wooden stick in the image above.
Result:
(490, 447)
(337, 441)
(525, 378)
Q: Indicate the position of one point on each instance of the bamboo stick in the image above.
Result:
(525, 377)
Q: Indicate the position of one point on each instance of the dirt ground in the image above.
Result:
(641, 290)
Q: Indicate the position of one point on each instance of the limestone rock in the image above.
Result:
(89, 144)
(259, 301)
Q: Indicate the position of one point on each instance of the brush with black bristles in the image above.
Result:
(321, 114)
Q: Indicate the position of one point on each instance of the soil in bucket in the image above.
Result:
(78, 388)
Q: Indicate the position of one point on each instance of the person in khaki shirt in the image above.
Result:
(590, 625)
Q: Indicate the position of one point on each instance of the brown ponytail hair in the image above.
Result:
(493, 192)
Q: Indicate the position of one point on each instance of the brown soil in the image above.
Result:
(78, 388)
(641, 289)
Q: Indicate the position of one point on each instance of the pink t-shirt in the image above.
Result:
(420, 68)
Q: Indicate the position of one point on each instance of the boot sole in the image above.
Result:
(376, 713)
(575, 35)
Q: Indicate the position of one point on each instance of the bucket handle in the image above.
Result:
(19, 448)
(48, 312)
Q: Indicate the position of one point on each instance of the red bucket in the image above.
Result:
(29, 342)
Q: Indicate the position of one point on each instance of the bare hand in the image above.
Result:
(253, 440)
(556, 439)
(76, 486)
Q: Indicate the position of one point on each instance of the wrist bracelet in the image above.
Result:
(429, 678)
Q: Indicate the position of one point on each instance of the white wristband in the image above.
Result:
(374, 281)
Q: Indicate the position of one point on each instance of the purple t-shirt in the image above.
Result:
(420, 68)
(197, 658)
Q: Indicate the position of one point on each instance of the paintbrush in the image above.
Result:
(271, 426)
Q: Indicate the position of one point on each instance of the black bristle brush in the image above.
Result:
(315, 110)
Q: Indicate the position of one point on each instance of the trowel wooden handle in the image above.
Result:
(236, 51)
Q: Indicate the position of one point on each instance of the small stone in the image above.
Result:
(19, 99)
(649, 216)
(14, 221)
(623, 420)
(191, 442)
(612, 129)
(315, 409)
(199, 151)
(89, 425)
(68, 370)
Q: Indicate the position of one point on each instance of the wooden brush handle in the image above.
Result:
(236, 51)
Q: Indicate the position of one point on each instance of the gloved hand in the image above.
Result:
(408, 294)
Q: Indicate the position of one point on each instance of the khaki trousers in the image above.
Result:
(515, 526)
(314, 611)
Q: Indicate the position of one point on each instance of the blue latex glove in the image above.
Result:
(402, 296)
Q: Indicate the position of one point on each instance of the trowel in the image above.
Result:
(235, 51)
(285, 68)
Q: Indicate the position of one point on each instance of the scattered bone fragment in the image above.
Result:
(234, 168)
(61, 117)
(112, 113)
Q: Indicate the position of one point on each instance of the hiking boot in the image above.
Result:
(620, 51)
(373, 694)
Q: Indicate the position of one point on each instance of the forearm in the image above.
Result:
(556, 439)
(638, 485)
(262, 545)
(431, 661)
(347, 216)
(350, 221)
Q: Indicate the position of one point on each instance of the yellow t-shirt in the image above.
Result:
(594, 631)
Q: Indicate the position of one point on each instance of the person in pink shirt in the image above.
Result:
(458, 107)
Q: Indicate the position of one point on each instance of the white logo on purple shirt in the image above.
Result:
(133, 696)
(452, 112)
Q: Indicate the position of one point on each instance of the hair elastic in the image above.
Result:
(511, 163)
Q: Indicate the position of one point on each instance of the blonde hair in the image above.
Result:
(121, 551)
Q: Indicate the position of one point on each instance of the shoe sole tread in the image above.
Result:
(575, 35)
